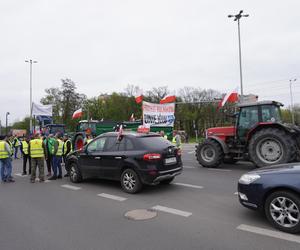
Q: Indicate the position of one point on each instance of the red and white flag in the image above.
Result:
(120, 132)
(231, 97)
(139, 96)
(77, 114)
(132, 119)
(168, 99)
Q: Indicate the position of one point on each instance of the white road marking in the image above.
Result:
(188, 185)
(191, 152)
(236, 193)
(47, 181)
(218, 169)
(113, 197)
(188, 167)
(270, 233)
(172, 211)
(70, 187)
(20, 175)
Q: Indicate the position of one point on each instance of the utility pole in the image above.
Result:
(6, 122)
(237, 18)
(292, 103)
(30, 119)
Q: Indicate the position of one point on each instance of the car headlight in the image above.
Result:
(248, 178)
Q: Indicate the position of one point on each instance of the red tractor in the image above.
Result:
(258, 135)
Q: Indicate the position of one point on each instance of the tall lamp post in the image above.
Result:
(237, 18)
(7, 113)
(30, 119)
(292, 103)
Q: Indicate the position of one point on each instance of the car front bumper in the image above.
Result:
(250, 196)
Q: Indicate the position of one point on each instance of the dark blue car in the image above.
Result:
(275, 191)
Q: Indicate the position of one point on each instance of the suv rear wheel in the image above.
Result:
(130, 181)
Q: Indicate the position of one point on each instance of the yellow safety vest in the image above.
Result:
(59, 151)
(11, 147)
(25, 147)
(36, 148)
(174, 142)
(65, 145)
(3, 153)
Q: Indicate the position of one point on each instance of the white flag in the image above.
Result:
(39, 109)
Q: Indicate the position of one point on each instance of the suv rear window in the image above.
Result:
(154, 142)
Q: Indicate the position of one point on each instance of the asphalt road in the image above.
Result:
(199, 210)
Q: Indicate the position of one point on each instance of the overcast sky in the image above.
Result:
(105, 45)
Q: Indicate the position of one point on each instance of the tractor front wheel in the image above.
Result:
(209, 154)
(271, 146)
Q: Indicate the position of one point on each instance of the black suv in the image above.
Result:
(133, 158)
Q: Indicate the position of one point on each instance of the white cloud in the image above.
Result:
(104, 45)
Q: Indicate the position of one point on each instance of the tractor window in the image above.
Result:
(270, 113)
(247, 119)
(96, 145)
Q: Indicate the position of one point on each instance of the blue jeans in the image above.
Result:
(5, 169)
(56, 161)
(16, 151)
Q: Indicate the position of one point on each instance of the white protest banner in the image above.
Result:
(158, 114)
(39, 109)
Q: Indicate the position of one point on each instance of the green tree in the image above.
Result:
(65, 101)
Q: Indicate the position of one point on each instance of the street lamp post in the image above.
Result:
(30, 119)
(292, 103)
(7, 113)
(237, 18)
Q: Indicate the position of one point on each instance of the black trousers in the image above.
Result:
(25, 159)
(49, 163)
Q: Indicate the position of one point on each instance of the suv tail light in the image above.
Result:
(151, 157)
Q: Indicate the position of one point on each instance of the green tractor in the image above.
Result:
(95, 128)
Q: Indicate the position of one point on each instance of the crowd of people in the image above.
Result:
(35, 151)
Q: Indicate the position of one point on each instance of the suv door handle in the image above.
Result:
(118, 157)
(97, 157)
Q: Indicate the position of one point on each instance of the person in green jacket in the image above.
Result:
(49, 142)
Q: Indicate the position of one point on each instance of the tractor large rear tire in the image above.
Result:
(210, 154)
(271, 146)
(79, 142)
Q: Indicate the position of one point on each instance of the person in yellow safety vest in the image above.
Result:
(162, 134)
(5, 161)
(25, 153)
(89, 138)
(67, 148)
(176, 139)
(57, 157)
(9, 141)
(16, 144)
(37, 152)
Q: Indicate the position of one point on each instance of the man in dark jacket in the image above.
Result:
(25, 153)
(67, 148)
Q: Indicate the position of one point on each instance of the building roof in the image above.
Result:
(260, 103)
